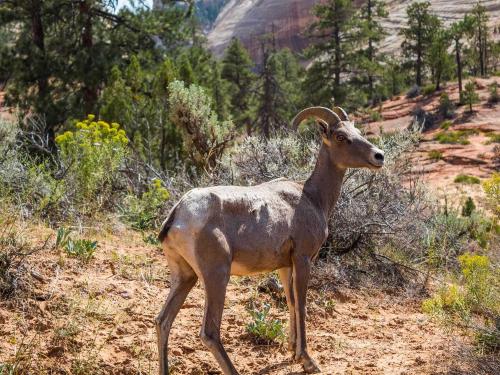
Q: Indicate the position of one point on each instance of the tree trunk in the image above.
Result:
(418, 80)
(459, 68)
(163, 148)
(337, 57)
(39, 41)
(89, 89)
(38, 37)
(370, 51)
(482, 44)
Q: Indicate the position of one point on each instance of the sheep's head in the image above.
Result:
(347, 147)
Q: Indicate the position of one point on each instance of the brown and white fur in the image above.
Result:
(215, 232)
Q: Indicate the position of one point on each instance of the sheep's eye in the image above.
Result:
(340, 138)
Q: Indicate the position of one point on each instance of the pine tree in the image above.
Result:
(470, 95)
(371, 33)
(481, 37)
(270, 98)
(138, 99)
(290, 75)
(458, 30)
(237, 70)
(418, 37)
(393, 77)
(61, 53)
(219, 92)
(332, 51)
(440, 61)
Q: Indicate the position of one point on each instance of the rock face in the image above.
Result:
(249, 20)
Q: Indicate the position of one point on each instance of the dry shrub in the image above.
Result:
(257, 160)
(16, 275)
(386, 211)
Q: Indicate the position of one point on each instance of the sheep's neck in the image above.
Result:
(324, 185)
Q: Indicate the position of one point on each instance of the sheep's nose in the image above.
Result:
(379, 156)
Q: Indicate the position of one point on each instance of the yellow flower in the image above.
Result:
(115, 125)
(91, 117)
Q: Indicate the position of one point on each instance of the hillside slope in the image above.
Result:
(479, 157)
(248, 20)
(98, 318)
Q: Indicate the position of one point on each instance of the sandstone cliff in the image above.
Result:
(248, 20)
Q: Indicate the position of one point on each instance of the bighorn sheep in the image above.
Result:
(215, 232)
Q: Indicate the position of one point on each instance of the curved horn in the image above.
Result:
(341, 113)
(323, 113)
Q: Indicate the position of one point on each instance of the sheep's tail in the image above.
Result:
(165, 227)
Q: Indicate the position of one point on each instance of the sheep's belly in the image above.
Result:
(251, 261)
(239, 269)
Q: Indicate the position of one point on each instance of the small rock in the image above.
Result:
(126, 294)
(56, 351)
(186, 349)
(419, 361)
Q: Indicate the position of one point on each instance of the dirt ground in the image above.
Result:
(478, 158)
(98, 318)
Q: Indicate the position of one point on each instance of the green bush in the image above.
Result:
(468, 207)
(482, 229)
(375, 116)
(466, 179)
(448, 299)
(477, 276)
(435, 155)
(82, 249)
(469, 95)
(206, 138)
(142, 212)
(455, 137)
(449, 234)
(493, 138)
(264, 329)
(92, 155)
(62, 237)
(429, 89)
(445, 125)
(472, 302)
(491, 187)
(446, 107)
(26, 181)
(445, 239)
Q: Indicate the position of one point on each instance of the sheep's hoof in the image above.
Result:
(310, 367)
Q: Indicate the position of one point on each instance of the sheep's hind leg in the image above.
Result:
(182, 280)
(215, 281)
(285, 275)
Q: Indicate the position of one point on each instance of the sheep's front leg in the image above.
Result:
(301, 272)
